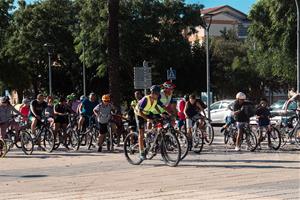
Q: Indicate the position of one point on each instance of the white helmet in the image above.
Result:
(241, 96)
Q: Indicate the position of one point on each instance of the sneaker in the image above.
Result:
(237, 148)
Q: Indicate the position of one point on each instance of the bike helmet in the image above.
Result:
(82, 98)
(25, 101)
(155, 89)
(106, 98)
(168, 85)
(241, 96)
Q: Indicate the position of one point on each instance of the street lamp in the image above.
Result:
(50, 48)
(206, 22)
(83, 68)
(298, 47)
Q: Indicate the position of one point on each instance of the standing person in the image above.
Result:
(180, 114)
(103, 113)
(263, 115)
(86, 110)
(6, 113)
(240, 117)
(192, 110)
(131, 116)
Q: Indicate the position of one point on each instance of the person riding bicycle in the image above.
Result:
(240, 117)
(37, 108)
(25, 109)
(86, 110)
(6, 113)
(103, 113)
(263, 115)
(180, 107)
(49, 111)
(166, 94)
(144, 113)
(61, 111)
(192, 111)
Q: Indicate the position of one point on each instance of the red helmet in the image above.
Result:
(168, 85)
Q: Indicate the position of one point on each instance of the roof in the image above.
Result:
(215, 10)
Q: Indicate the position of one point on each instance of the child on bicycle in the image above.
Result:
(263, 115)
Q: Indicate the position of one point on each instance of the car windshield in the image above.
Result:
(278, 105)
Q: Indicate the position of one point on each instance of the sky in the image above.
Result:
(242, 5)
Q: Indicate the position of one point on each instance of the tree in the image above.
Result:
(272, 40)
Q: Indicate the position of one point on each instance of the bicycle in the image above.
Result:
(21, 139)
(158, 139)
(248, 135)
(272, 136)
(288, 133)
(197, 135)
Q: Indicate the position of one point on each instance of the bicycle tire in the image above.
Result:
(198, 141)
(167, 140)
(48, 140)
(274, 133)
(296, 135)
(92, 139)
(183, 140)
(211, 134)
(27, 144)
(252, 145)
(73, 140)
(3, 148)
(132, 149)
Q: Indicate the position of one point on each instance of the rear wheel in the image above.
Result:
(170, 149)
(198, 140)
(72, 140)
(131, 149)
(184, 143)
(251, 140)
(48, 139)
(209, 134)
(26, 142)
(3, 148)
(274, 139)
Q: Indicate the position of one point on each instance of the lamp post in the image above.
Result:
(49, 47)
(206, 26)
(83, 69)
(298, 46)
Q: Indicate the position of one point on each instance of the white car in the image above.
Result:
(219, 110)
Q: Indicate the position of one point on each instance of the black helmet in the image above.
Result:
(155, 89)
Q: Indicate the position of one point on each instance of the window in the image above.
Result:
(215, 106)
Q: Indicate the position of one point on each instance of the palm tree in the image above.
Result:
(113, 51)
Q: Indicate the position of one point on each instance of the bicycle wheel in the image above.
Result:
(170, 149)
(297, 136)
(3, 148)
(131, 149)
(251, 140)
(26, 142)
(92, 139)
(184, 143)
(48, 139)
(72, 140)
(110, 143)
(9, 140)
(198, 140)
(226, 136)
(274, 139)
(209, 134)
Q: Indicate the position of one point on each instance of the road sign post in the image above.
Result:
(143, 77)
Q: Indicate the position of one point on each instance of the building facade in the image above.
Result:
(223, 18)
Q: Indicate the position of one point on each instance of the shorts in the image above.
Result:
(229, 120)
(190, 121)
(61, 119)
(241, 125)
(140, 121)
(103, 128)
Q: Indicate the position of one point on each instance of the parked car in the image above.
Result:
(219, 110)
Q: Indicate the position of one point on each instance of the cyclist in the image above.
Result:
(49, 111)
(61, 115)
(144, 113)
(37, 108)
(180, 114)
(263, 115)
(166, 94)
(192, 111)
(6, 112)
(103, 113)
(240, 117)
(86, 110)
(296, 98)
(25, 109)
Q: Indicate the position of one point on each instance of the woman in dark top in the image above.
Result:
(60, 115)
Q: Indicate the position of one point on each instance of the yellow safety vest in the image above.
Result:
(148, 108)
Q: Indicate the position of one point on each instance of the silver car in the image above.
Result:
(219, 110)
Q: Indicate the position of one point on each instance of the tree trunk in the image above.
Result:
(113, 51)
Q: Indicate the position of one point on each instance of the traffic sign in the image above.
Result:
(171, 74)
